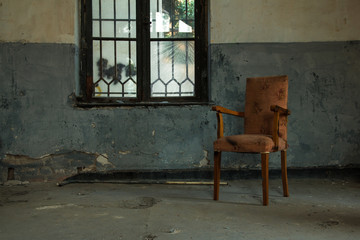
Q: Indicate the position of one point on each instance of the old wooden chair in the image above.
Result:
(265, 128)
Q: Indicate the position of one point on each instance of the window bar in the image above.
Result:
(100, 28)
(129, 34)
(187, 57)
(158, 45)
(157, 10)
(158, 51)
(186, 11)
(118, 20)
(172, 12)
(172, 19)
(158, 58)
(116, 73)
(186, 48)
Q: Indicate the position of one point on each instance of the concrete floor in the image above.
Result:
(316, 209)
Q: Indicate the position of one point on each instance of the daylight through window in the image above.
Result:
(141, 50)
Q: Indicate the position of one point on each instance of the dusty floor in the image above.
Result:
(316, 209)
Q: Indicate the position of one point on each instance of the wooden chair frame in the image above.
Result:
(264, 155)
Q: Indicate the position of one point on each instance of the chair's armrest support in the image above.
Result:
(220, 109)
(277, 112)
(220, 125)
(220, 121)
(283, 111)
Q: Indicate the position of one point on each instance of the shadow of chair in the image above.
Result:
(265, 128)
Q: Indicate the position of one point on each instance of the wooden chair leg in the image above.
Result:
(265, 177)
(284, 174)
(217, 166)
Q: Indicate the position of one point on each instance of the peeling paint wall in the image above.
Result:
(324, 127)
(234, 21)
(38, 21)
(38, 119)
(44, 137)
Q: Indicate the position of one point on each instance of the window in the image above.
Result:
(144, 51)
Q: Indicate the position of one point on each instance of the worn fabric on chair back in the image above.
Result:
(261, 93)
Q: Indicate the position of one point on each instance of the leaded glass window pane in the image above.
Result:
(172, 69)
(172, 66)
(114, 48)
(143, 51)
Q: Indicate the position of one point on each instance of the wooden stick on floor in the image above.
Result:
(193, 183)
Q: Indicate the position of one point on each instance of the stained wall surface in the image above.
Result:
(284, 21)
(44, 136)
(38, 21)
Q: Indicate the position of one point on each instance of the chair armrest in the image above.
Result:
(276, 108)
(277, 111)
(220, 109)
(220, 122)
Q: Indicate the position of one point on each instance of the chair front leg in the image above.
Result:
(217, 166)
(284, 173)
(265, 177)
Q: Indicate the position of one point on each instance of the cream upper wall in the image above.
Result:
(39, 21)
(231, 21)
(234, 21)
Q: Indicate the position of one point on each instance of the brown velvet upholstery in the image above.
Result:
(248, 143)
(260, 94)
(265, 128)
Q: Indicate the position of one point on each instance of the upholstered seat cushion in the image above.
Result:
(248, 143)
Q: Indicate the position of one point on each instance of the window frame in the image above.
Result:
(143, 41)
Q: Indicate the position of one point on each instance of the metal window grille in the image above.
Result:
(114, 48)
(144, 51)
(172, 72)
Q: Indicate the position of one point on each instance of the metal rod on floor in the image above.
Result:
(66, 182)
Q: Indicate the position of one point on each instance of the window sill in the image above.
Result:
(83, 104)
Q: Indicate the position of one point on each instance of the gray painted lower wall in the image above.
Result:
(324, 85)
(44, 137)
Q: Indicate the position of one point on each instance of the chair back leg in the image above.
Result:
(284, 174)
(217, 166)
(265, 177)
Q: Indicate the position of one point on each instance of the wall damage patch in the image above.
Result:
(205, 162)
(50, 167)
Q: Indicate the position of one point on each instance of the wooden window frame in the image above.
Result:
(86, 97)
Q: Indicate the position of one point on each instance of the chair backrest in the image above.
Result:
(261, 93)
